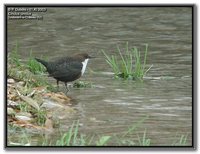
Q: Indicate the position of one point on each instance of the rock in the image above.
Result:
(22, 118)
(10, 111)
(21, 83)
(58, 97)
(10, 81)
(12, 103)
(30, 101)
(48, 104)
(49, 123)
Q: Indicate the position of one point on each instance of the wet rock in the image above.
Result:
(62, 113)
(58, 97)
(13, 97)
(12, 103)
(10, 111)
(21, 83)
(23, 118)
(27, 114)
(19, 144)
(29, 101)
(49, 123)
(49, 104)
(10, 81)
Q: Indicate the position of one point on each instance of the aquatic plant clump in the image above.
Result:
(128, 64)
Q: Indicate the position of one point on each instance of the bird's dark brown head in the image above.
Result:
(82, 56)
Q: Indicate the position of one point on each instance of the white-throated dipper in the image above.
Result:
(67, 69)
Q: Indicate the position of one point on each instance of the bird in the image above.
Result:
(67, 69)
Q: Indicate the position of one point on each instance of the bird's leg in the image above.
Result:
(66, 87)
(57, 84)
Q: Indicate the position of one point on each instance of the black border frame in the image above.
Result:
(111, 148)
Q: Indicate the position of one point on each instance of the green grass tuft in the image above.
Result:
(144, 141)
(69, 138)
(34, 66)
(82, 84)
(14, 57)
(26, 71)
(128, 64)
(103, 140)
(180, 141)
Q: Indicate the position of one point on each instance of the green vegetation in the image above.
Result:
(128, 64)
(69, 138)
(180, 141)
(73, 137)
(18, 71)
(144, 141)
(34, 66)
(133, 127)
(29, 72)
(23, 107)
(23, 140)
(82, 84)
(39, 114)
(13, 57)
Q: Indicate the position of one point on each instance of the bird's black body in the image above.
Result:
(65, 69)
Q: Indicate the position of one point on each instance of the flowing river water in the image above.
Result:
(111, 106)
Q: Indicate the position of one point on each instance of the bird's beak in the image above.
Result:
(91, 57)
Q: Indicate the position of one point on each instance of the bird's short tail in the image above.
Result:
(42, 62)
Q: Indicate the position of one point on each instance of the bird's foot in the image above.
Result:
(66, 90)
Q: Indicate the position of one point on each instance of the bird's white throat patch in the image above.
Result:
(84, 66)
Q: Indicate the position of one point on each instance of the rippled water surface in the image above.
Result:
(111, 106)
